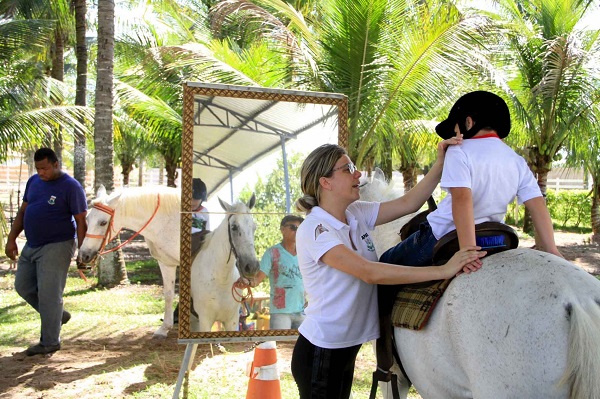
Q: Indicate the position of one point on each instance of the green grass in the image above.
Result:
(112, 328)
(92, 308)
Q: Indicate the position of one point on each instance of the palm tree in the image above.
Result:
(397, 61)
(111, 270)
(553, 80)
(103, 122)
(80, 88)
(131, 144)
(59, 12)
(27, 94)
(584, 151)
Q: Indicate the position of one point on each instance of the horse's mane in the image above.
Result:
(145, 199)
(376, 188)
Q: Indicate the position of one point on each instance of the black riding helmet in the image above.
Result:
(488, 111)
(198, 189)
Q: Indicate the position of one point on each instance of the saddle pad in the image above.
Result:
(414, 304)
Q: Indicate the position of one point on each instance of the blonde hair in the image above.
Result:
(319, 163)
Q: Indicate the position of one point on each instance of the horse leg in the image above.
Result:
(168, 276)
(233, 323)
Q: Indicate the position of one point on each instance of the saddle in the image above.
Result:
(410, 305)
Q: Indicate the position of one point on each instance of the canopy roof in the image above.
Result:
(234, 126)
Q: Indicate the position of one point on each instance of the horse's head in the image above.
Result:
(100, 221)
(241, 228)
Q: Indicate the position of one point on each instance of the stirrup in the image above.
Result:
(384, 376)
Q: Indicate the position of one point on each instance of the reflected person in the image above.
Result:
(200, 221)
(280, 264)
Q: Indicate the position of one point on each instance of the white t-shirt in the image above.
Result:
(342, 309)
(200, 220)
(494, 173)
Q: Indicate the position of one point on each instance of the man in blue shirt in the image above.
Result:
(280, 264)
(52, 214)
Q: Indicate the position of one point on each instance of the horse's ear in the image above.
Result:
(101, 192)
(379, 175)
(251, 201)
(224, 205)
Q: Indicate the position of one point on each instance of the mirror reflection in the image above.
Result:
(242, 151)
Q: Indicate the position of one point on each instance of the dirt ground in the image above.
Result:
(109, 367)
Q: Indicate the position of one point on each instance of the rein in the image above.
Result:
(105, 238)
(238, 287)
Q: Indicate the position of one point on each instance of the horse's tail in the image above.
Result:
(583, 360)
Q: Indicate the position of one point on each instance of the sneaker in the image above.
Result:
(66, 316)
(40, 349)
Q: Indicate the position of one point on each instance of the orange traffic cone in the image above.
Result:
(263, 373)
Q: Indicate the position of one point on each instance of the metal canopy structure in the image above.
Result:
(234, 129)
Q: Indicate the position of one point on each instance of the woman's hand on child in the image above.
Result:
(444, 144)
(466, 260)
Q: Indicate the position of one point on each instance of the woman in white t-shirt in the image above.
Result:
(340, 270)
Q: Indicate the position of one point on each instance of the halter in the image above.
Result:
(107, 237)
(238, 287)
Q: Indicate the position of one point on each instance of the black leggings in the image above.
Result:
(323, 373)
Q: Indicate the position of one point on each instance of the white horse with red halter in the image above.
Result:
(150, 211)
(527, 325)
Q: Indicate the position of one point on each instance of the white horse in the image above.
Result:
(152, 211)
(527, 325)
(214, 272)
(376, 188)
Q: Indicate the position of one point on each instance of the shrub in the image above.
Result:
(569, 210)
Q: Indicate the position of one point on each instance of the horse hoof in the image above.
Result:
(159, 336)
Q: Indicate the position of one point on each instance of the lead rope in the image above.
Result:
(105, 238)
(136, 233)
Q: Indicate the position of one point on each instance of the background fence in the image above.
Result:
(13, 178)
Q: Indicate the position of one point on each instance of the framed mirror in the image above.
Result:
(234, 137)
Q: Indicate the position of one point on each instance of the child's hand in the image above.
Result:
(467, 258)
(471, 267)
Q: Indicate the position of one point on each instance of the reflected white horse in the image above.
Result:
(215, 271)
(527, 325)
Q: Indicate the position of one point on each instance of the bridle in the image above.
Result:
(109, 236)
(238, 287)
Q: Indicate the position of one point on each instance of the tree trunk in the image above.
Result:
(596, 209)
(409, 177)
(171, 168)
(58, 73)
(110, 269)
(141, 172)
(80, 90)
(103, 124)
(126, 169)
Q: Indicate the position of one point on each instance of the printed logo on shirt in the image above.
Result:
(319, 230)
(367, 239)
(52, 200)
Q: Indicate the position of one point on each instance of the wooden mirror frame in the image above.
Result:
(190, 90)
